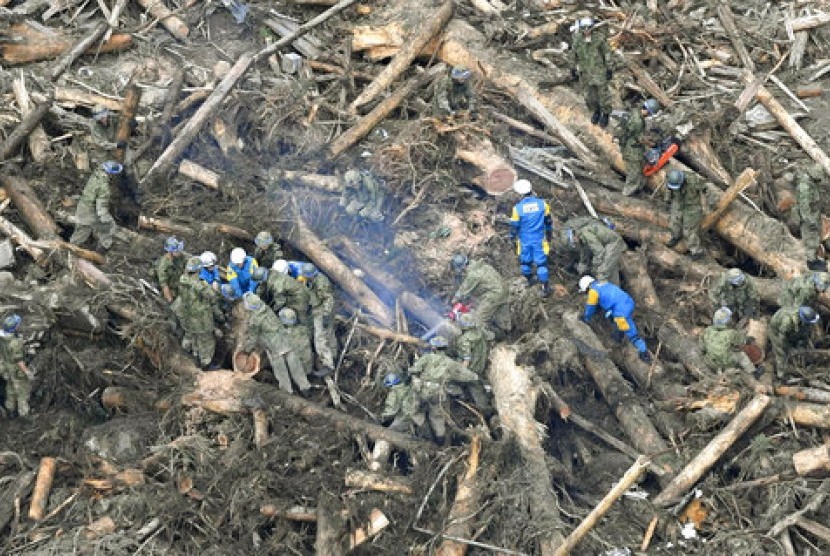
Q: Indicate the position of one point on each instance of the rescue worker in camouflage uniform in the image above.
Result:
(293, 358)
(789, 327)
(363, 195)
(169, 268)
(433, 376)
(285, 291)
(809, 188)
(14, 371)
(631, 137)
(721, 345)
(486, 289)
(454, 93)
(472, 348)
(321, 300)
(685, 190)
(599, 247)
(618, 305)
(92, 215)
(591, 58)
(804, 289)
(401, 404)
(267, 249)
(531, 226)
(197, 310)
(734, 291)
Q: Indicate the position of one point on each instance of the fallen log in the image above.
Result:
(319, 181)
(260, 417)
(815, 528)
(43, 486)
(300, 236)
(631, 476)
(22, 239)
(801, 393)
(38, 140)
(386, 334)
(727, 19)
(129, 108)
(170, 227)
(357, 478)
(31, 45)
(423, 31)
(814, 503)
(368, 122)
(294, 513)
(330, 526)
(464, 507)
(744, 180)
(515, 401)
(498, 175)
(701, 463)
(199, 174)
(29, 122)
(618, 395)
(808, 414)
(377, 523)
(81, 97)
(174, 25)
(813, 462)
(30, 208)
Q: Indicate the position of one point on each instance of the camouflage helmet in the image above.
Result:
(437, 342)
(807, 315)
(263, 239)
(675, 179)
(821, 280)
(352, 178)
(460, 73)
(194, 264)
(173, 245)
(252, 301)
(722, 316)
(815, 171)
(227, 292)
(259, 274)
(465, 320)
(11, 323)
(309, 270)
(287, 316)
(651, 106)
(736, 277)
(459, 262)
(391, 379)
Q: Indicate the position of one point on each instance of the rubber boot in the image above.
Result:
(603, 119)
(595, 117)
(545, 289)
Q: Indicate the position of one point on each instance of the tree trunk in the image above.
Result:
(173, 24)
(515, 401)
(813, 462)
(29, 122)
(34, 46)
(498, 174)
(38, 140)
(464, 507)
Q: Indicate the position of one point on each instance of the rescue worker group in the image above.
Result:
(291, 304)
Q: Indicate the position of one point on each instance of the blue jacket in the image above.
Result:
(610, 297)
(531, 220)
(295, 268)
(240, 277)
(210, 276)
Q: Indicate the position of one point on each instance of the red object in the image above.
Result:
(457, 309)
(650, 169)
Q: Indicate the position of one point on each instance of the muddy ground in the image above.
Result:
(205, 481)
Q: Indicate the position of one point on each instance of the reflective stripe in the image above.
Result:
(622, 324)
(593, 296)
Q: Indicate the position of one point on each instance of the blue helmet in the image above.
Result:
(112, 167)
(460, 73)
(263, 239)
(675, 179)
(252, 301)
(651, 106)
(609, 223)
(736, 277)
(309, 270)
(173, 245)
(807, 315)
(722, 316)
(227, 292)
(11, 323)
(392, 379)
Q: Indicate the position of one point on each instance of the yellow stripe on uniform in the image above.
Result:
(622, 324)
(593, 297)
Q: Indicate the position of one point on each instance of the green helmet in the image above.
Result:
(309, 270)
(287, 316)
(352, 178)
(252, 301)
(651, 106)
(821, 281)
(466, 320)
(736, 277)
(807, 315)
(675, 179)
(722, 316)
(194, 264)
(460, 73)
(259, 274)
(263, 239)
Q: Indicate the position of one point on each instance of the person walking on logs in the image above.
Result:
(631, 135)
(92, 215)
(790, 327)
(685, 191)
(721, 345)
(486, 289)
(809, 189)
(591, 58)
(598, 245)
(734, 291)
(198, 313)
(13, 369)
(531, 226)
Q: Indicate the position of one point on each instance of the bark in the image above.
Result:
(330, 526)
(498, 174)
(464, 507)
(33, 46)
(631, 476)
(423, 31)
(319, 181)
(173, 24)
(377, 523)
(260, 427)
(22, 239)
(515, 401)
(38, 140)
(43, 486)
(728, 21)
(303, 239)
(368, 122)
(29, 122)
(618, 394)
(713, 451)
(225, 135)
(70, 96)
(30, 208)
(813, 462)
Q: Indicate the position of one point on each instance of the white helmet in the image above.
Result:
(522, 187)
(281, 266)
(208, 258)
(238, 256)
(585, 282)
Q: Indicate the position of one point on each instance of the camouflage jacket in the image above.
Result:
(434, 371)
(592, 58)
(321, 295)
(631, 129)
(596, 237)
(294, 338)
(482, 280)
(719, 343)
(370, 192)
(451, 96)
(169, 269)
(686, 202)
(196, 305)
(286, 291)
(264, 329)
(474, 346)
(787, 326)
(11, 351)
(266, 257)
(743, 299)
(400, 400)
(94, 203)
(798, 291)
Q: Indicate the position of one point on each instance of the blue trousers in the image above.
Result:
(534, 253)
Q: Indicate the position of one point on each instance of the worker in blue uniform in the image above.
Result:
(531, 227)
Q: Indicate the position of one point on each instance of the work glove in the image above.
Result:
(609, 74)
(645, 357)
(673, 240)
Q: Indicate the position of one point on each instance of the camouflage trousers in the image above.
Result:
(634, 178)
(494, 313)
(289, 366)
(607, 263)
(201, 344)
(739, 360)
(432, 413)
(597, 94)
(688, 227)
(18, 389)
(810, 230)
(325, 342)
(102, 232)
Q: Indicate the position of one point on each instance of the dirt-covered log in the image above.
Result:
(813, 462)
(168, 19)
(704, 461)
(38, 140)
(43, 486)
(364, 480)
(515, 402)
(498, 174)
(34, 46)
(129, 108)
(464, 507)
(200, 174)
(618, 393)
(746, 179)
(31, 210)
(29, 122)
(808, 415)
